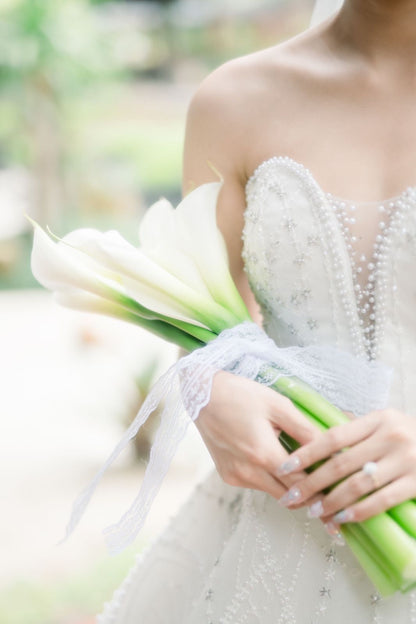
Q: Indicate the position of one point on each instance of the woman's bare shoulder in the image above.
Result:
(253, 74)
(229, 86)
(234, 101)
(233, 91)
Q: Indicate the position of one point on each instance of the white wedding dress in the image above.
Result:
(234, 556)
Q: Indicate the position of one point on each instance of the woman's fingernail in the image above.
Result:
(335, 533)
(316, 510)
(291, 496)
(288, 466)
(331, 528)
(346, 515)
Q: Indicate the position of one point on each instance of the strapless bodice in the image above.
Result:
(324, 271)
(329, 271)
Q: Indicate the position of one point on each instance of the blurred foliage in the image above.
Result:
(93, 97)
(39, 48)
(49, 51)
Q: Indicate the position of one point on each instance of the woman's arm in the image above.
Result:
(215, 143)
(241, 424)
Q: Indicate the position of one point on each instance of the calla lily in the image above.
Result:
(192, 228)
(160, 241)
(162, 280)
(62, 268)
(143, 278)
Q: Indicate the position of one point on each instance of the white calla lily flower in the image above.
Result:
(59, 267)
(86, 302)
(143, 278)
(192, 229)
(179, 277)
(159, 239)
(101, 249)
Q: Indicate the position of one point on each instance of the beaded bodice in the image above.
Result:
(330, 271)
(324, 271)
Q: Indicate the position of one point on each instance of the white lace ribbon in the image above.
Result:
(352, 384)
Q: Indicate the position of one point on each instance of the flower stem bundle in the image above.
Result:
(384, 544)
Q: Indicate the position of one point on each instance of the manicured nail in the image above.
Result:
(335, 533)
(338, 539)
(291, 496)
(316, 510)
(288, 466)
(346, 515)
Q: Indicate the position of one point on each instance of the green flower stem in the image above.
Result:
(405, 515)
(202, 334)
(238, 306)
(374, 566)
(159, 328)
(318, 424)
(302, 394)
(288, 443)
(163, 330)
(222, 319)
(394, 544)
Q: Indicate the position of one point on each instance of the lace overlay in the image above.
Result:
(370, 266)
(235, 556)
(294, 228)
(352, 384)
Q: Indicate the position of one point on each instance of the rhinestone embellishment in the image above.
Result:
(357, 277)
(369, 268)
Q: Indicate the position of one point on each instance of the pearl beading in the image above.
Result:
(338, 236)
(370, 294)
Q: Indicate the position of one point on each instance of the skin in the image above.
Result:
(345, 89)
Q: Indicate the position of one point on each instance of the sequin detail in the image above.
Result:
(303, 226)
(369, 269)
(235, 556)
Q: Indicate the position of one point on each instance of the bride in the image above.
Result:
(316, 141)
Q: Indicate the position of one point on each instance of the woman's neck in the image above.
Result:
(378, 29)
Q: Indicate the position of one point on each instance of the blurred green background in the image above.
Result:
(93, 100)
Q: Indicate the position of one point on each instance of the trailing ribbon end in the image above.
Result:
(185, 389)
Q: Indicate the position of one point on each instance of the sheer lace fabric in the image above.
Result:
(369, 255)
(352, 384)
(235, 555)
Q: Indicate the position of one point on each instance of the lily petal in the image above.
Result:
(60, 268)
(85, 301)
(154, 283)
(202, 240)
(79, 300)
(191, 231)
(158, 225)
(159, 240)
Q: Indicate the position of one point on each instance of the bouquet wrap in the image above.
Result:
(351, 384)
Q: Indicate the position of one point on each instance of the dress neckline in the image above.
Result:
(361, 275)
(329, 196)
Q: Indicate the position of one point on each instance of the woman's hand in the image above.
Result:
(240, 427)
(385, 438)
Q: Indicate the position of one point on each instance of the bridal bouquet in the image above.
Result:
(177, 285)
